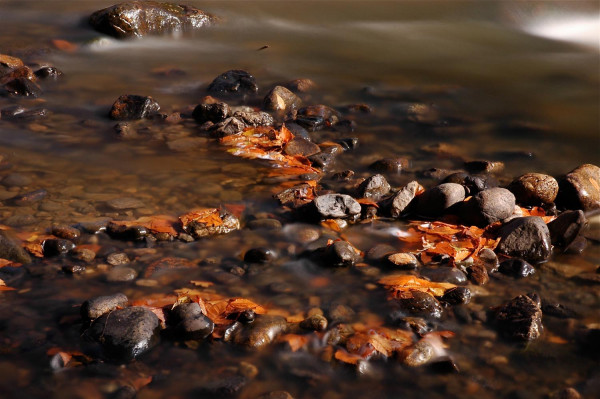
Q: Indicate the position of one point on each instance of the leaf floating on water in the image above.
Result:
(295, 341)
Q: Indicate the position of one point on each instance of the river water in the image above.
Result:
(516, 82)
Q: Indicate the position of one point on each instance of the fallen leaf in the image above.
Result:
(295, 341)
(64, 45)
(203, 284)
(400, 285)
(210, 217)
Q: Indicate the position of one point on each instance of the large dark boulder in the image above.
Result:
(125, 334)
(527, 238)
(141, 18)
(488, 206)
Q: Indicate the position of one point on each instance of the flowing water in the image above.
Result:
(510, 81)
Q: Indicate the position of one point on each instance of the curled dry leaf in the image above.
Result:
(401, 286)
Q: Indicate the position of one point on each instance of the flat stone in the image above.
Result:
(121, 274)
(404, 260)
(10, 248)
(332, 206)
(96, 307)
(300, 146)
(119, 204)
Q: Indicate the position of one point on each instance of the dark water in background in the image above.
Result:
(501, 91)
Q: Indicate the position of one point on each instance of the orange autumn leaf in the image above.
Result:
(346, 357)
(237, 305)
(64, 45)
(4, 287)
(331, 224)
(156, 300)
(359, 342)
(295, 341)
(367, 201)
(400, 286)
(6, 262)
(210, 217)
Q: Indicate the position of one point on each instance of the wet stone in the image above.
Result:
(516, 267)
(16, 180)
(10, 249)
(119, 204)
(233, 83)
(137, 19)
(262, 332)
(484, 166)
(421, 304)
(82, 254)
(215, 112)
(374, 187)
(315, 322)
(444, 274)
(580, 188)
(422, 114)
(419, 354)
(276, 395)
(127, 333)
(435, 201)
(55, 247)
(189, 322)
(264, 224)
(10, 61)
(260, 255)
(225, 387)
(338, 254)
(17, 113)
(336, 206)
(73, 269)
(534, 189)
(29, 198)
(300, 146)
(380, 252)
(48, 72)
(403, 260)
(567, 227)
(527, 238)
(558, 310)
(66, 232)
(121, 275)
(457, 296)
(20, 220)
(521, 318)
(339, 313)
(280, 99)
(131, 107)
(21, 87)
(389, 165)
(126, 233)
(301, 85)
(96, 307)
(478, 274)
(488, 206)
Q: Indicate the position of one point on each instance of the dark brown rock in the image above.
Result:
(580, 189)
(457, 296)
(516, 267)
(55, 247)
(215, 112)
(300, 146)
(534, 189)
(521, 318)
(389, 165)
(125, 334)
(48, 72)
(66, 232)
(11, 250)
(527, 238)
(263, 331)
(484, 166)
(567, 227)
(488, 206)
(315, 117)
(260, 255)
(281, 100)
(233, 83)
(130, 107)
(338, 254)
(478, 274)
(140, 18)
(22, 87)
(421, 304)
(435, 201)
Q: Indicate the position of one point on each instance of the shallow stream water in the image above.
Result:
(510, 81)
